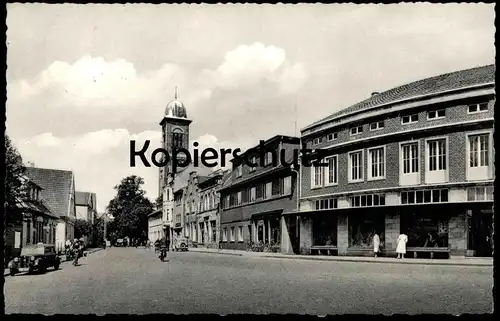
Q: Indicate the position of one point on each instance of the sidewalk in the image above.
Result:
(63, 258)
(452, 262)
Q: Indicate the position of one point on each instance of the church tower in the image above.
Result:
(175, 134)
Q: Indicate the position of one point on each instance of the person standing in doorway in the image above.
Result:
(376, 243)
(401, 248)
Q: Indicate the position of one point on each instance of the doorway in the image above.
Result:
(293, 230)
(480, 233)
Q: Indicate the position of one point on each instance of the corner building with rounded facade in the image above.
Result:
(417, 159)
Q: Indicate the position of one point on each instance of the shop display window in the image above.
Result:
(425, 230)
(325, 230)
(362, 227)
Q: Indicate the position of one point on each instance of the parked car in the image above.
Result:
(180, 244)
(33, 258)
(120, 242)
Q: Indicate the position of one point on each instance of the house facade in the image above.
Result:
(155, 225)
(58, 191)
(86, 209)
(202, 219)
(255, 198)
(416, 159)
(38, 221)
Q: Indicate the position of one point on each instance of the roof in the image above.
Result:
(269, 141)
(433, 85)
(182, 178)
(85, 199)
(155, 212)
(41, 207)
(56, 186)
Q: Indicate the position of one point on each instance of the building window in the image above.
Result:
(239, 171)
(425, 196)
(376, 161)
(480, 193)
(268, 190)
(238, 198)
(252, 194)
(224, 235)
(325, 230)
(232, 237)
(425, 229)
(317, 176)
(331, 174)
(436, 114)
(477, 108)
(356, 166)
(410, 158)
(326, 204)
(367, 200)
(240, 233)
(377, 125)
(356, 130)
(332, 136)
(253, 160)
(177, 138)
(362, 227)
(317, 141)
(287, 185)
(437, 155)
(409, 119)
(478, 150)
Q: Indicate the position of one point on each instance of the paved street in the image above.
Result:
(134, 281)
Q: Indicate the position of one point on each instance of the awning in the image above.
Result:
(267, 214)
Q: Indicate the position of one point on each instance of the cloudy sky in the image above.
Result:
(83, 80)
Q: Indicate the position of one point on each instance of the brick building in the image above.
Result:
(416, 159)
(202, 221)
(255, 197)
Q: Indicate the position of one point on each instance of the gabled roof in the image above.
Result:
(56, 186)
(434, 85)
(182, 178)
(85, 199)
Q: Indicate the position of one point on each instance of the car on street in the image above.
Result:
(120, 242)
(180, 244)
(38, 257)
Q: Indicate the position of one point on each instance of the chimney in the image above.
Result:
(375, 93)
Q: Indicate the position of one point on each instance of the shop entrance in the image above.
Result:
(480, 233)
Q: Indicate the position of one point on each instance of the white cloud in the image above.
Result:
(248, 65)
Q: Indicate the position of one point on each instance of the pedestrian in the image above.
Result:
(76, 251)
(401, 247)
(376, 243)
(164, 246)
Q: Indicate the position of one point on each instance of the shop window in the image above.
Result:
(224, 234)
(362, 227)
(260, 233)
(250, 232)
(325, 230)
(240, 234)
(326, 204)
(425, 196)
(425, 230)
(231, 235)
(367, 200)
(480, 193)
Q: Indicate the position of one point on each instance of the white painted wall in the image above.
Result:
(60, 235)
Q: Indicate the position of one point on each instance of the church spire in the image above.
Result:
(175, 97)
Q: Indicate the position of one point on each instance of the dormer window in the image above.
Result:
(478, 108)
(269, 159)
(317, 141)
(332, 136)
(253, 160)
(356, 130)
(239, 171)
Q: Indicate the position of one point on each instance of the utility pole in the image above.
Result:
(105, 222)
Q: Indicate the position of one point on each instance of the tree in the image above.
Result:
(15, 172)
(82, 228)
(130, 209)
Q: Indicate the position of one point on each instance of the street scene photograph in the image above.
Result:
(311, 159)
